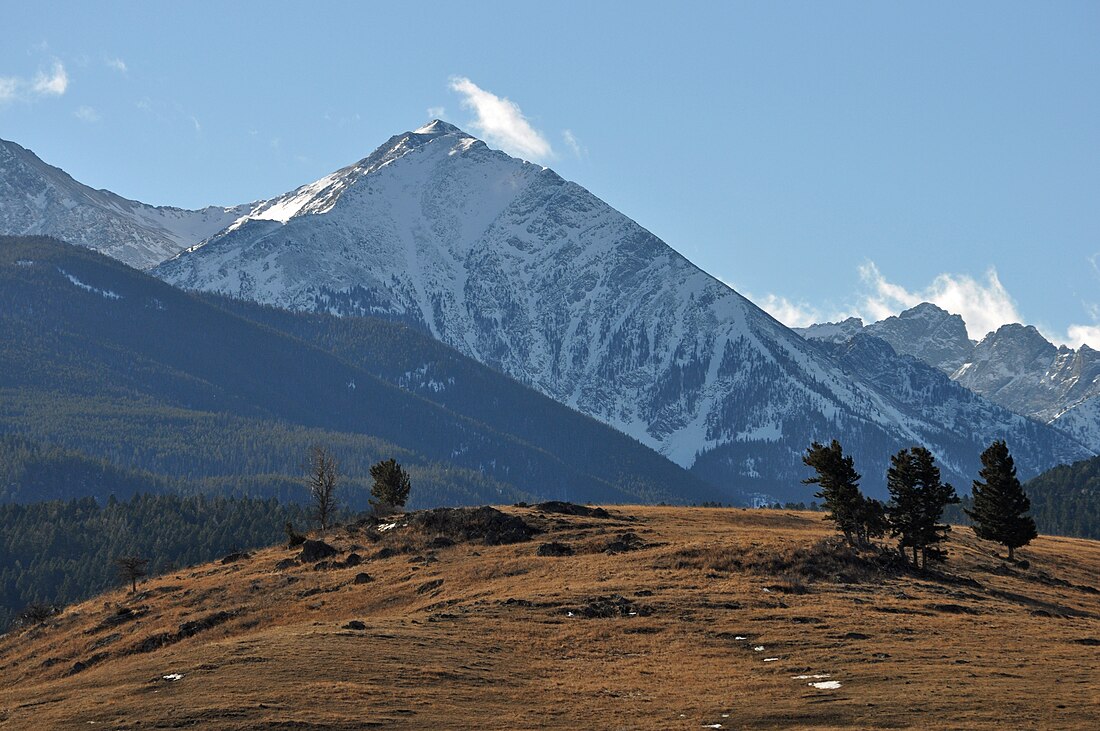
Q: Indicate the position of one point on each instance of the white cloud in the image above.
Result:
(501, 122)
(117, 64)
(573, 144)
(9, 88)
(791, 314)
(1078, 335)
(195, 122)
(87, 114)
(436, 112)
(53, 83)
(984, 305)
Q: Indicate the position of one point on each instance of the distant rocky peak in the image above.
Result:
(1023, 341)
(832, 332)
(929, 333)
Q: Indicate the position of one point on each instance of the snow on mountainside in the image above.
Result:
(38, 199)
(1018, 367)
(1082, 422)
(926, 331)
(929, 394)
(535, 276)
(832, 332)
(1015, 366)
(939, 337)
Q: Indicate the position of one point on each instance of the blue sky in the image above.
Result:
(825, 159)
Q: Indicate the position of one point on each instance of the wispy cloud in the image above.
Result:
(87, 114)
(1078, 335)
(573, 143)
(9, 88)
(984, 305)
(790, 313)
(436, 112)
(46, 83)
(500, 122)
(53, 82)
(117, 64)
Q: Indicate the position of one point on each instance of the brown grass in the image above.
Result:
(475, 636)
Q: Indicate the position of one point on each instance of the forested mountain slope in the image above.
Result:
(102, 358)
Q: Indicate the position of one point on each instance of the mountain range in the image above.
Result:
(38, 199)
(207, 395)
(1014, 366)
(535, 277)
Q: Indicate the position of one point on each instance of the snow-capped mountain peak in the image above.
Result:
(537, 277)
(437, 127)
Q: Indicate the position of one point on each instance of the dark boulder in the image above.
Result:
(607, 607)
(554, 548)
(486, 525)
(564, 508)
(362, 578)
(313, 551)
(625, 542)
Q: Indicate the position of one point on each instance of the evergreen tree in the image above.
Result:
(871, 518)
(917, 502)
(933, 497)
(1000, 503)
(391, 484)
(839, 487)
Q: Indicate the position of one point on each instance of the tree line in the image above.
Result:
(57, 552)
(918, 498)
(62, 551)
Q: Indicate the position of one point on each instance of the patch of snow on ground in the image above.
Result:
(810, 677)
(825, 685)
(173, 676)
(104, 293)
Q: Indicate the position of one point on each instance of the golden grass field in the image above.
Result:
(472, 636)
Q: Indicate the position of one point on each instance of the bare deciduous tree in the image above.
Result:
(132, 568)
(322, 479)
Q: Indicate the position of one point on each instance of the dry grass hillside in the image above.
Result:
(655, 618)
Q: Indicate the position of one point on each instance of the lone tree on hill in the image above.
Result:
(322, 479)
(917, 501)
(1000, 503)
(839, 487)
(132, 568)
(391, 485)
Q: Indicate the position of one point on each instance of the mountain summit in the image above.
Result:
(536, 277)
(1014, 366)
